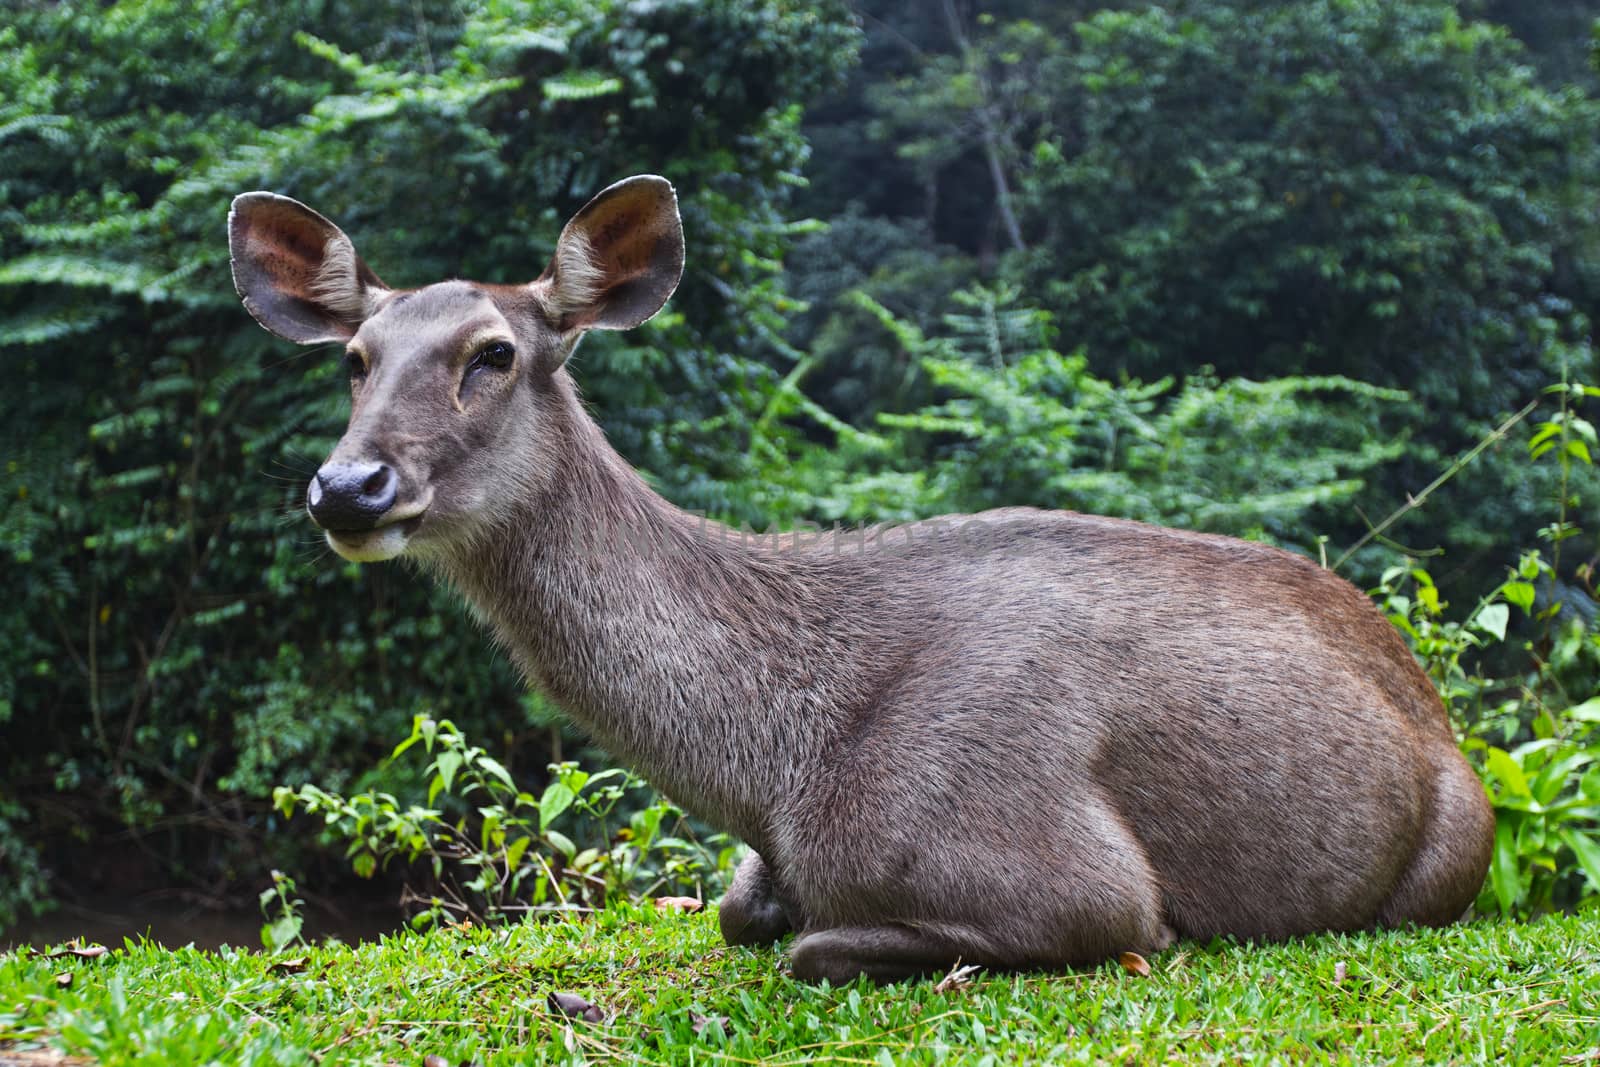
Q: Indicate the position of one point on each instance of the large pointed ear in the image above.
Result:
(618, 259)
(296, 272)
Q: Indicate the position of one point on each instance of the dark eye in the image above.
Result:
(355, 366)
(496, 356)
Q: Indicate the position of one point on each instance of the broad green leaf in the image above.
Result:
(1503, 767)
(1588, 711)
(1545, 432)
(446, 765)
(1492, 619)
(562, 842)
(1503, 870)
(558, 797)
(1519, 593)
(1587, 850)
(494, 767)
(1546, 785)
(415, 736)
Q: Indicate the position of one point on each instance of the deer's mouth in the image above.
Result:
(385, 541)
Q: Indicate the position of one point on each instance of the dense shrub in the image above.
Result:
(177, 642)
(1379, 190)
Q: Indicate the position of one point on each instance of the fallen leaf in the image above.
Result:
(1583, 1057)
(1134, 963)
(294, 966)
(959, 976)
(64, 979)
(11, 1056)
(1339, 972)
(433, 1060)
(88, 952)
(575, 1007)
(689, 904)
(699, 1022)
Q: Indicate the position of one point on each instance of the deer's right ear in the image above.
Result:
(297, 273)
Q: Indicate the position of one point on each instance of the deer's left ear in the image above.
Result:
(618, 260)
(296, 272)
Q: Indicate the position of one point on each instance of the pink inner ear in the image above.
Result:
(617, 242)
(289, 255)
(287, 247)
(297, 273)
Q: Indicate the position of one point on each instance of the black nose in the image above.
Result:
(351, 496)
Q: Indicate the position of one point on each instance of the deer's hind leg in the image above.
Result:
(884, 953)
(1086, 895)
(1452, 852)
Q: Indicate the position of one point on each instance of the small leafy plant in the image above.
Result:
(492, 851)
(1534, 735)
(284, 912)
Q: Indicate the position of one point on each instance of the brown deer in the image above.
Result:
(1021, 739)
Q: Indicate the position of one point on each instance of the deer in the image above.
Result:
(1028, 739)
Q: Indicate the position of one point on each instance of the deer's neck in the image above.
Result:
(712, 665)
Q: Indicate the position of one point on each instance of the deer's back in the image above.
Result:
(1059, 598)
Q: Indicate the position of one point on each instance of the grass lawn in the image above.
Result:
(673, 993)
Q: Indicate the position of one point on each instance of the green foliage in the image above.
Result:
(1014, 421)
(27, 889)
(1375, 190)
(1536, 745)
(491, 851)
(1533, 731)
(859, 369)
(284, 912)
(177, 639)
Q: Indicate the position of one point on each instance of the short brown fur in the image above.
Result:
(1022, 739)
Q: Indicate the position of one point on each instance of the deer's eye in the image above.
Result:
(355, 367)
(496, 356)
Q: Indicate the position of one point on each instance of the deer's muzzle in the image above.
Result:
(351, 496)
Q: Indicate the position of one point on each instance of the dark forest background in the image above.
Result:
(1257, 268)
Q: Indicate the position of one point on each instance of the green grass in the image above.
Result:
(1488, 991)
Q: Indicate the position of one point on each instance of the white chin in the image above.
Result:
(369, 546)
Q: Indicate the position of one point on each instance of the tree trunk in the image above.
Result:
(986, 127)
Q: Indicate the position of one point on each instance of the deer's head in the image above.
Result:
(456, 388)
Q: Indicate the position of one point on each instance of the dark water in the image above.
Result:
(108, 921)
